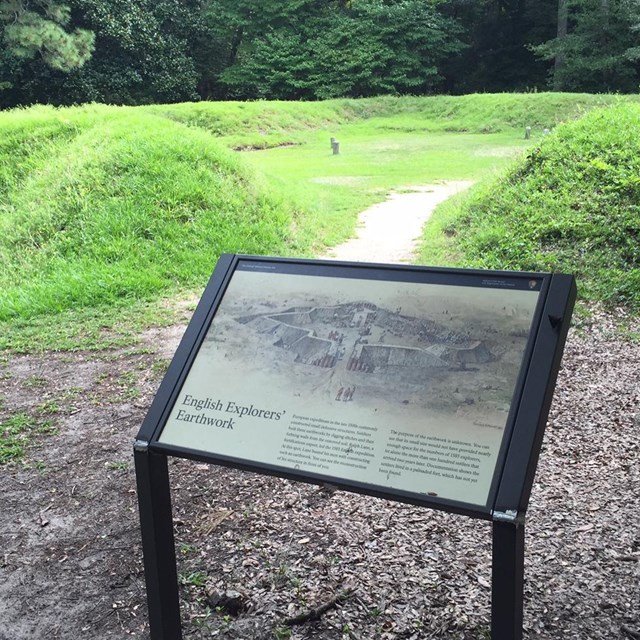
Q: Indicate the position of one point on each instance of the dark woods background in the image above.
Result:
(144, 51)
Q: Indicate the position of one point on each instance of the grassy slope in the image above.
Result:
(265, 124)
(572, 205)
(104, 206)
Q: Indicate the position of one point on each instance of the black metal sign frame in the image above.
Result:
(515, 464)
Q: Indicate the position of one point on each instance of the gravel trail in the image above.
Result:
(389, 231)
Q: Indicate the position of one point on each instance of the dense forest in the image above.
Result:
(148, 51)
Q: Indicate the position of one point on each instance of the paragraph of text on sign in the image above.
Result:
(319, 444)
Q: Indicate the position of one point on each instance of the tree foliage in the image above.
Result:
(313, 49)
(599, 50)
(38, 28)
(142, 51)
(498, 34)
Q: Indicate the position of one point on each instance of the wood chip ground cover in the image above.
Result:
(69, 538)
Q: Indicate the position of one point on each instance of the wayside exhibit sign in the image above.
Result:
(423, 385)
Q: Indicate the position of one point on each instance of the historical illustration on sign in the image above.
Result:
(397, 384)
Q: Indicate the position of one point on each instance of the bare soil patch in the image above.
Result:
(71, 560)
(71, 556)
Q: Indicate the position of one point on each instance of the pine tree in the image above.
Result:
(38, 28)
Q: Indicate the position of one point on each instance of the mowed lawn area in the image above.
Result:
(376, 157)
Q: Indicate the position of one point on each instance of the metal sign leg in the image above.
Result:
(507, 601)
(156, 523)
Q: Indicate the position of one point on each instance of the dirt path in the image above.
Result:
(389, 231)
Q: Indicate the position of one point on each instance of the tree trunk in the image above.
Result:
(236, 41)
(561, 35)
(604, 8)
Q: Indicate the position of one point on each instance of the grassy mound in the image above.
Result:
(256, 125)
(572, 205)
(267, 124)
(103, 204)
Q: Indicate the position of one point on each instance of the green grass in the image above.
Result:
(571, 205)
(129, 207)
(105, 210)
(16, 433)
(92, 328)
(484, 113)
(263, 124)
(334, 189)
(88, 328)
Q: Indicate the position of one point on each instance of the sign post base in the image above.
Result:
(156, 523)
(507, 584)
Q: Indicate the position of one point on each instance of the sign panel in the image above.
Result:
(401, 379)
